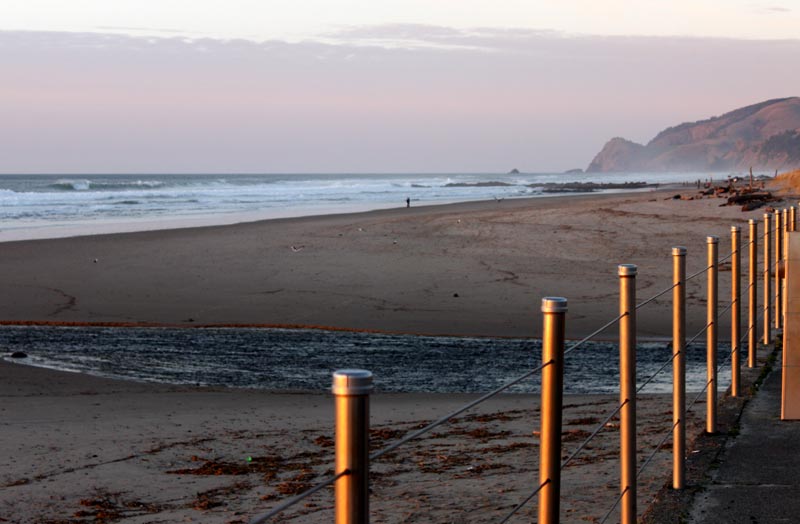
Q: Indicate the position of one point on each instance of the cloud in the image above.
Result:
(130, 29)
(456, 100)
(774, 9)
(413, 36)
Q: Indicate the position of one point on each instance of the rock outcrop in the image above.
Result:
(762, 136)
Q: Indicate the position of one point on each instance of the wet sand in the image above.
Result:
(78, 448)
(463, 269)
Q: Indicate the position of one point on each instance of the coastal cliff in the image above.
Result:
(762, 136)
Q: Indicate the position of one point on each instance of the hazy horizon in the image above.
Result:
(393, 91)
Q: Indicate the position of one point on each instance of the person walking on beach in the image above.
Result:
(408, 202)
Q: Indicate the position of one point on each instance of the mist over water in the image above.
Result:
(290, 360)
(42, 206)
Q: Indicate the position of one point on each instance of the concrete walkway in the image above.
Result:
(758, 479)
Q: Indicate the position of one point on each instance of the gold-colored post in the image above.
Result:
(678, 366)
(792, 219)
(736, 309)
(782, 268)
(627, 392)
(767, 279)
(712, 244)
(778, 258)
(752, 297)
(351, 388)
(554, 310)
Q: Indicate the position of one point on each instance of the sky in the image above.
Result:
(260, 86)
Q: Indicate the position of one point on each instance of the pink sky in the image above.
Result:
(537, 101)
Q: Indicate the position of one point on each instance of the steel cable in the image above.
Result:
(726, 257)
(597, 430)
(698, 273)
(616, 502)
(692, 403)
(657, 448)
(657, 295)
(399, 443)
(291, 502)
(445, 418)
(703, 330)
(654, 375)
(527, 499)
(595, 333)
(726, 309)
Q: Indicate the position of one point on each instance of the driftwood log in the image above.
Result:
(743, 198)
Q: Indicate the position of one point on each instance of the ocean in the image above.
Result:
(303, 359)
(49, 206)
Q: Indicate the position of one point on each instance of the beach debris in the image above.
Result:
(95, 261)
(295, 249)
(19, 354)
(217, 497)
(455, 295)
(109, 507)
(749, 195)
(324, 441)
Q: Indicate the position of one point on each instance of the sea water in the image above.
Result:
(48, 206)
(303, 359)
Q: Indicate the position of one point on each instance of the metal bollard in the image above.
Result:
(784, 257)
(554, 310)
(712, 244)
(767, 279)
(351, 388)
(627, 392)
(752, 297)
(678, 366)
(792, 219)
(778, 258)
(736, 309)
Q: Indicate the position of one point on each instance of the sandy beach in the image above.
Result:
(464, 269)
(78, 448)
(81, 449)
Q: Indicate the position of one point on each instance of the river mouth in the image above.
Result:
(303, 359)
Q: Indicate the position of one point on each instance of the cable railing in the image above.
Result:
(524, 502)
(351, 391)
(438, 422)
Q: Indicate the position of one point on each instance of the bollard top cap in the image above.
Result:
(554, 305)
(711, 239)
(752, 221)
(679, 251)
(767, 216)
(735, 229)
(352, 382)
(627, 270)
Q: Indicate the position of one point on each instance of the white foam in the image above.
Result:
(38, 207)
